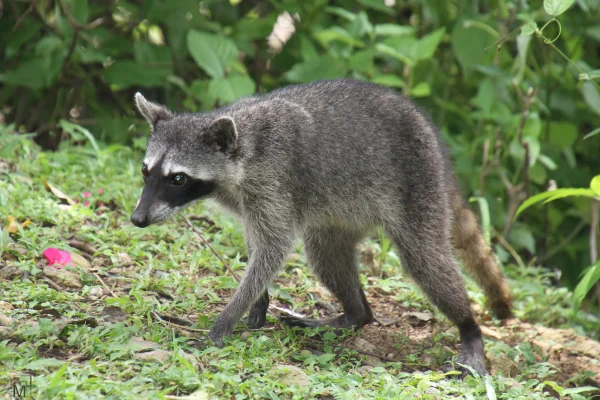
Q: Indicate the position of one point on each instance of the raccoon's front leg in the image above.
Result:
(270, 249)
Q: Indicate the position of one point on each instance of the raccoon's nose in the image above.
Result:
(139, 220)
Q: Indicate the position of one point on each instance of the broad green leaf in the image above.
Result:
(528, 28)
(390, 51)
(337, 34)
(213, 53)
(360, 27)
(341, 12)
(523, 238)
(595, 74)
(591, 276)
(27, 73)
(547, 162)
(389, 80)
(563, 134)
(393, 30)
(581, 389)
(80, 10)
(592, 133)
(486, 95)
(127, 73)
(308, 49)
(323, 67)
(557, 7)
(43, 364)
(378, 5)
(595, 185)
(469, 44)
(362, 61)
(422, 89)
(553, 195)
(73, 129)
(231, 88)
(427, 45)
(591, 96)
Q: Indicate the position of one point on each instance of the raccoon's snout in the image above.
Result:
(139, 219)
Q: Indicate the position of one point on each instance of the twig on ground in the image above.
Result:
(53, 284)
(509, 248)
(104, 284)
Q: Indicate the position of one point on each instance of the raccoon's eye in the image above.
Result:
(145, 170)
(178, 180)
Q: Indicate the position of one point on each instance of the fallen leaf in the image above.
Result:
(80, 261)
(63, 277)
(58, 193)
(13, 225)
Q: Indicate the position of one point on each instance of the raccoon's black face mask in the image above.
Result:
(164, 195)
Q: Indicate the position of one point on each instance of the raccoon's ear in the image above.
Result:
(222, 134)
(151, 111)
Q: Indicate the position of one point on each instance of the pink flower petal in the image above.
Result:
(102, 204)
(57, 258)
(100, 191)
(86, 203)
(86, 194)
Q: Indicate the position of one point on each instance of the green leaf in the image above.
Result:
(557, 7)
(390, 51)
(528, 28)
(484, 210)
(231, 88)
(323, 67)
(469, 44)
(337, 34)
(428, 44)
(592, 133)
(27, 73)
(378, 5)
(389, 80)
(74, 129)
(393, 30)
(595, 185)
(591, 96)
(43, 364)
(591, 276)
(595, 74)
(213, 53)
(553, 195)
(563, 134)
(422, 89)
(80, 11)
(127, 73)
(523, 238)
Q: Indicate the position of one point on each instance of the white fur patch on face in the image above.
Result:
(171, 167)
(150, 161)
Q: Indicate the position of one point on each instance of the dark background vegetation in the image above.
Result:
(512, 107)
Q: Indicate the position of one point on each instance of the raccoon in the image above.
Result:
(327, 162)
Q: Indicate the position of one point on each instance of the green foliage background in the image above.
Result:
(513, 110)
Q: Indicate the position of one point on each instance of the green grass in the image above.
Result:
(73, 350)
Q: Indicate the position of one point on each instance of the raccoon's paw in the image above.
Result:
(470, 359)
(217, 333)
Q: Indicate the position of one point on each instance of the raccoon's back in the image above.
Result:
(352, 140)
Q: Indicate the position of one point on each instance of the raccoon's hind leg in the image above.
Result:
(425, 251)
(258, 312)
(331, 253)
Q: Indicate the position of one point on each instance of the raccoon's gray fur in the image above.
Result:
(326, 162)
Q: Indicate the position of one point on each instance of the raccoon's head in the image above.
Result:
(188, 157)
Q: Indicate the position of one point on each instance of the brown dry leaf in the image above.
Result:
(58, 193)
(13, 225)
